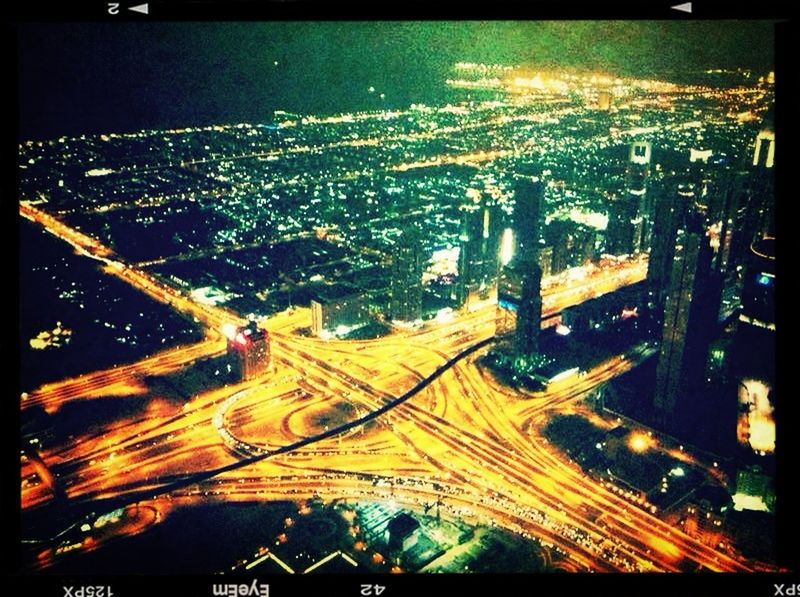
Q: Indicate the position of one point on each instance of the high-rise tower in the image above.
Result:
(672, 205)
(690, 323)
(479, 243)
(528, 214)
(630, 215)
(519, 305)
(406, 277)
(249, 348)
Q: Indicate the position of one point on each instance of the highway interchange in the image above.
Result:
(465, 439)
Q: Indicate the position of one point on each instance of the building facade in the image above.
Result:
(406, 278)
(690, 323)
(249, 350)
(338, 310)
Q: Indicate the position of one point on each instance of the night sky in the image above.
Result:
(104, 77)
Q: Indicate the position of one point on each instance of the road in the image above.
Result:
(465, 439)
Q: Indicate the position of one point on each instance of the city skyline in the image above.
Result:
(518, 317)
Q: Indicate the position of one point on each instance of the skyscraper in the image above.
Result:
(529, 312)
(630, 215)
(519, 305)
(758, 289)
(764, 153)
(763, 183)
(479, 243)
(724, 212)
(690, 322)
(672, 205)
(250, 351)
(571, 244)
(406, 281)
(528, 213)
(752, 214)
(623, 235)
(638, 168)
(561, 238)
(509, 294)
(470, 256)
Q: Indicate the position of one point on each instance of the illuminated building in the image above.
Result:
(690, 318)
(406, 278)
(248, 346)
(338, 310)
(623, 235)
(519, 305)
(704, 515)
(764, 153)
(470, 258)
(479, 242)
(763, 184)
(699, 155)
(752, 352)
(560, 238)
(630, 215)
(572, 244)
(751, 209)
(519, 300)
(638, 175)
(758, 288)
(754, 490)
(509, 293)
(604, 311)
(529, 312)
(639, 165)
(731, 196)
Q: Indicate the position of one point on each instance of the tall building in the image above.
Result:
(519, 304)
(638, 168)
(470, 257)
(529, 312)
(764, 154)
(479, 241)
(758, 288)
(406, 277)
(624, 232)
(528, 213)
(637, 180)
(338, 309)
(670, 213)
(572, 244)
(763, 183)
(729, 196)
(249, 349)
(752, 206)
(752, 352)
(509, 294)
(690, 323)
(560, 237)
